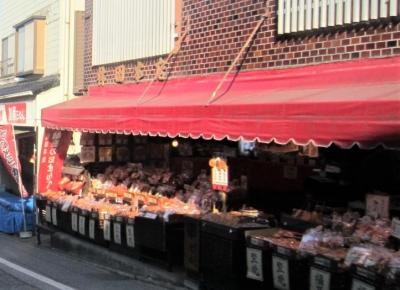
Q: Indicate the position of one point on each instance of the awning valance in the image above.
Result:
(345, 103)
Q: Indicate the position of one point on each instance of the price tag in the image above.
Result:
(377, 205)
(54, 215)
(130, 236)
(117, 233)
(74, 221)
(254, 264)
(319, 280)
(280, 271)
(91, 229)
(48, 213)
(82, 221)
(150, 215)
(107, 230)
(396, 228)
(359, 285)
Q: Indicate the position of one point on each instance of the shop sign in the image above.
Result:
(74, 221)
(117, 233)
(280, 271)
(319, 280)
(377, 206)
(54, 150)
(14, 113)
(254, 264)
(8, 155)
(396, 228)
(219, 174)
(54, 215)
(359, 285)
(130, 236)
(91, 228)
(119, 74)
(82, 221)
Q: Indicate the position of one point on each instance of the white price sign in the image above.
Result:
(396, 228)
(319, 280)
(117, 233)
(377, 205)
(280, 271)
(48, 213)
(74, 221)
(107, 230)
(82, 221)
(130, 236)
(54, 216)
(91, 229)
(359, 285)
(254, 264)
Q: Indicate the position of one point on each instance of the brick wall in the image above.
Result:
(220, 28)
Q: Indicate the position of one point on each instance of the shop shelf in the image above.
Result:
(327, 273)
(223, 259)
(160, 240)
(290, 269)
(192, 255)
(259, 259)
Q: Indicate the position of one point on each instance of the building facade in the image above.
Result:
(38, 41)
(313, 33)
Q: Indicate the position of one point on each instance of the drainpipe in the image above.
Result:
(67, 43)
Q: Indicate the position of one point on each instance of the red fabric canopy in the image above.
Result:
(344, 103)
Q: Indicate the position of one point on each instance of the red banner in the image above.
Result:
(54, 150)
(9, 156)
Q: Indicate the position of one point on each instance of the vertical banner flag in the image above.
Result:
(9, 156)
(54, 150)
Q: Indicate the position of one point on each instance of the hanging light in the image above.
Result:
(175, 143)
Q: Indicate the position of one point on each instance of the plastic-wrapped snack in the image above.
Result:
(372, 257)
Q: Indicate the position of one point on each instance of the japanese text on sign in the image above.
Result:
(219, 174)
(54, 149)
(359, 285)
(280, 268)
(319, 280)
(254, 264)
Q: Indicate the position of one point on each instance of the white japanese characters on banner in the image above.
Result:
(280, 271)
(254, 264)
(319, 280)
(54, 150)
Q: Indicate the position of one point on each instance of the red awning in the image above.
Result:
(344, 103)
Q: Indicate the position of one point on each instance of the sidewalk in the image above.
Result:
(121, 264)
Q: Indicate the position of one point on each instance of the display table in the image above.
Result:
(11, 214)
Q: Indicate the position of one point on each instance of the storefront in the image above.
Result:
(141, 143)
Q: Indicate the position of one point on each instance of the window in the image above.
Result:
(127, 30)
(306, 15)
(30, 46)
(7, 56)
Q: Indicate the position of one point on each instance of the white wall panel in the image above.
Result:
(132, 29)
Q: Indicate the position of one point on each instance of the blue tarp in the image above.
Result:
(11, 217)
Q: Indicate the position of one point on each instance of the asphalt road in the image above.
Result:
(26, 266)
